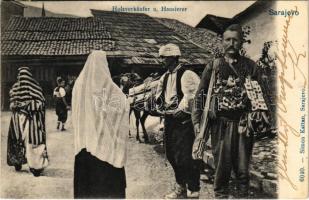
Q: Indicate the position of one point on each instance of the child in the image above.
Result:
(61, 104)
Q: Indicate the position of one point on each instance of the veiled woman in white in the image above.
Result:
(101, 122)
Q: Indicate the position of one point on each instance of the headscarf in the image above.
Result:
(26, 89)
(100, 114)
(26, 97)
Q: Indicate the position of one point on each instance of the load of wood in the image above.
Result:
(144, 92)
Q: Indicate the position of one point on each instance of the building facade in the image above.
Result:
(59, 46)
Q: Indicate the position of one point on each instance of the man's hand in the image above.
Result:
(196, 129)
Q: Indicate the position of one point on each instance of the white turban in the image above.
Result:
(169, 50)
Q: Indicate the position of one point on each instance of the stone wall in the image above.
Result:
(263, 169)
(263, 166)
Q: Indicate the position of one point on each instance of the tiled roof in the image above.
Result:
(50, 48)
(140, 36)
(50, 24)
(55, 36)
(135, 37)
(208, 40)
(214, 23)
(59, 35)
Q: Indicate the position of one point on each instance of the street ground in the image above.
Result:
(148, 173)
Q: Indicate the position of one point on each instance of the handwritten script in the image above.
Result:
(287, 57)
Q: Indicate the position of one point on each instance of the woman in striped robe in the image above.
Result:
(27, 135)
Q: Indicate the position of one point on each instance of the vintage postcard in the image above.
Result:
(154, 99)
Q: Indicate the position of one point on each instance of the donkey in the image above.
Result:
(130, 80)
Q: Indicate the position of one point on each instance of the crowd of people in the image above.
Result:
(184, 100)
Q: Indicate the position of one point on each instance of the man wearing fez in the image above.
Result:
(175, 94)
(231, 148)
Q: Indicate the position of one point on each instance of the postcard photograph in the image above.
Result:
(154, 99)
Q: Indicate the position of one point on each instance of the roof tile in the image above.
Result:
(121, 34)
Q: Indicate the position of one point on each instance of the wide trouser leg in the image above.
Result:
(193, 176)
(171, 152)
(81, 176)
(221, 139)
(15, 145)
(61, 112)
(63, 116)
(245, 145)
(231, 151)
(94, 178)
(179, 140)
(105, 181)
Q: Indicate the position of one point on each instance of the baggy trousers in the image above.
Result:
(179, 139)
(231, 151)
(61, 111)
(94, 178)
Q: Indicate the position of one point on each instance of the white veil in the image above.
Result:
(100, 112)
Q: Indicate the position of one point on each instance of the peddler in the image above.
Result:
(175, 94)
(229, 82)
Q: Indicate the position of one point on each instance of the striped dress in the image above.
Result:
(27, 125)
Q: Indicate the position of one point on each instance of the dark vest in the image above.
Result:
(178, 86)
